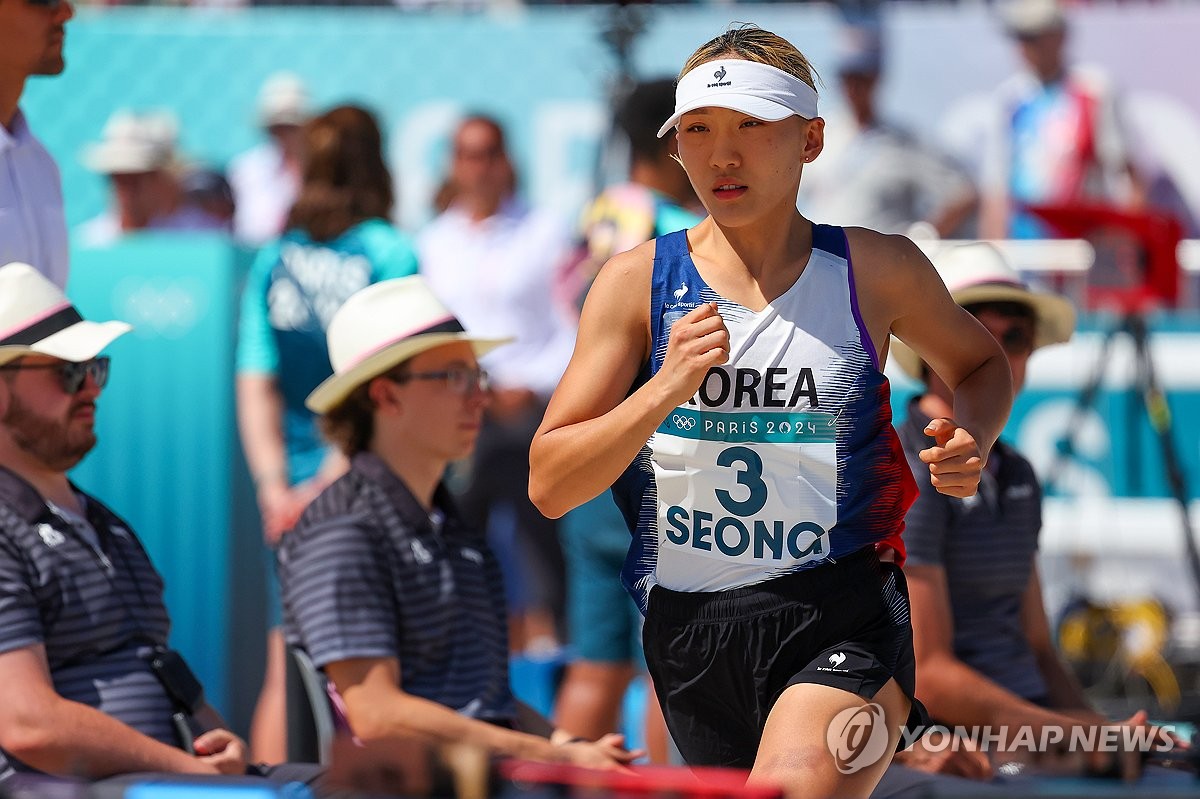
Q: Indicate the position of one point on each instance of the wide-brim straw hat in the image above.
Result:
(978, 272)
(384, 325)
(36, 318)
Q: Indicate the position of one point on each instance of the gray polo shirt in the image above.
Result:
(368, 574)
(95, 609)
(987, 545)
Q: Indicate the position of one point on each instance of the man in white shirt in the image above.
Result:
(266, 179)
(33, 228)
(494, 259)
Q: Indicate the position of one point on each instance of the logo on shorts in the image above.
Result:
(837, 660)
(857, 737)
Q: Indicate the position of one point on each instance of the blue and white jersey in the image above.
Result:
(785, 458)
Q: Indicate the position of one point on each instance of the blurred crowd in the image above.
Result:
(316, 197)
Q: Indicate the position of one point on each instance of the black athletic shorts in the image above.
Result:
(720, 660)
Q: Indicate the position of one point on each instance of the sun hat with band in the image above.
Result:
(978, 272)
(381, 326)
(760, 90)
(36, 318)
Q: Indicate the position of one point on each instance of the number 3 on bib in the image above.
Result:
(750, 477)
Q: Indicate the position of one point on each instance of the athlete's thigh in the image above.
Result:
(799, 754)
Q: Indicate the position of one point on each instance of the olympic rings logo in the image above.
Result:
(683, 422)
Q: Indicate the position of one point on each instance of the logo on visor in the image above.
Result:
(720, 75)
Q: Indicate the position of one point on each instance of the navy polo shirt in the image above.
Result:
(986, 544)
(96, 609)
(368, 574)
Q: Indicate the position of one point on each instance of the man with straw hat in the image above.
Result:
(88, 687)
(985, 653)
(387, 590)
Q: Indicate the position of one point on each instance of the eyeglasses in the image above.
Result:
(1017, 340)
(460, 379)
(72, 374)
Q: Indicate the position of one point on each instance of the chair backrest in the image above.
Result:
(310, 719)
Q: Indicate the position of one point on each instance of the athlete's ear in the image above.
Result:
(814, 141)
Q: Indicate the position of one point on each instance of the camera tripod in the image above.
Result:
(1158, 414)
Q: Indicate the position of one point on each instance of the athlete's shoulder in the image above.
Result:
(870, 247)
(635, 264)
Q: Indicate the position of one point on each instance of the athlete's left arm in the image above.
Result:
(900, 293)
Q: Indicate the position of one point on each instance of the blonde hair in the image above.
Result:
(752, 43)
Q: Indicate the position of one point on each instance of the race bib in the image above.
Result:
(742, 496)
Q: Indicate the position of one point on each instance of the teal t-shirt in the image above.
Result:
(293, 289)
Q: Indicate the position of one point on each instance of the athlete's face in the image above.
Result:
(744, 168)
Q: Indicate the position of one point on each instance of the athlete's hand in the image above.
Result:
(698, 342)
(955, 461)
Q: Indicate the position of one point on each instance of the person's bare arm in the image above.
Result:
(378, 710)
(260, 425)
(1063, 690)
(953, 692)
(901, 293)
(592, 430)
(66, 738)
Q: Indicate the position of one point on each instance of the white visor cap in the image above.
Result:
(760, 90)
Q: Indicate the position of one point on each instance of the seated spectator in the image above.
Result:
(984, 650)
(266, 178)
(88, 687)
(137, 155)
(338, 240)
(384, 585)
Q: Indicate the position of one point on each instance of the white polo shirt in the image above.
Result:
(32, 226)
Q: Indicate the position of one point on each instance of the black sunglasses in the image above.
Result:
(71, 373)
(1017, 340)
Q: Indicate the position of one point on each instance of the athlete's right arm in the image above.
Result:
(594, 427)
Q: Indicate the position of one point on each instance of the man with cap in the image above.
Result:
(1057, 137)
(266, 178)
(88, 687)
(138, 157)
(32, 226)
(985, 653)
(873, 173)
(384, 587)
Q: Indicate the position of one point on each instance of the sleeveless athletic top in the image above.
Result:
(785, 458)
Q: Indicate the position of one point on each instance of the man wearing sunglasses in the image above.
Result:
(88, 687)
(32, 226)
(985, 653)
